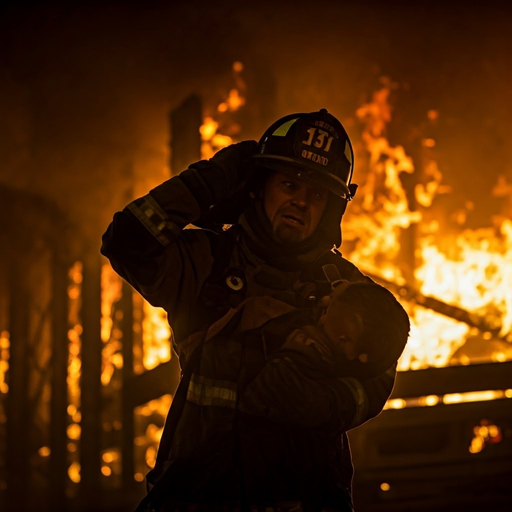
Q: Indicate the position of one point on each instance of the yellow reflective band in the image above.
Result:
(348, 153)
(360, 399)
(154, 219)
(284, 128)
(204, 391)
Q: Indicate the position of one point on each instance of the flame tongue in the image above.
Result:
(476, 276)
(472, 274)
(214, 134)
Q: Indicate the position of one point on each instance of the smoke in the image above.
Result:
(86, 89)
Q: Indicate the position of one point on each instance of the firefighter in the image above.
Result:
(284, 198)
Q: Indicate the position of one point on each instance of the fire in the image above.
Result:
(432, 341)
(74, 472)
(233, 102)
(485, 434)
(472, 271)
(212, 138)
(475, 274)
(425, 192)
(156, 332)
(44, 451)
(156, 335)
(149, 420)
(449, 399)
(374, 226)
(4, 360)
(111, 462)
(208, 128)
(74, 369)
(111, 335)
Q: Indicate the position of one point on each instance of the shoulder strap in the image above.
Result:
(215, 290)
(346, 269)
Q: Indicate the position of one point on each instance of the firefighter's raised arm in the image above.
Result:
(146, 244)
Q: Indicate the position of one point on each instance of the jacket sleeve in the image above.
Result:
(147, 245)
(146, 242)
(281, 392)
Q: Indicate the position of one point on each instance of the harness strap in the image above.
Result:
(332, 273)
(215, 289)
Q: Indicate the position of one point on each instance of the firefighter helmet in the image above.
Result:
(313, 146)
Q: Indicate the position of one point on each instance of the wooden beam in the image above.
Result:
(453, 379)
(154, 383)
(411, 294)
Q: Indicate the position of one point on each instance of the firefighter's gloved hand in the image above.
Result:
(211, 181)
(233, 159)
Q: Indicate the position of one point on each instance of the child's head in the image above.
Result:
(368, 325)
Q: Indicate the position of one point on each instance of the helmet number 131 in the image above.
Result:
(319, 138)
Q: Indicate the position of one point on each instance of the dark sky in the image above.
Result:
(86, 88)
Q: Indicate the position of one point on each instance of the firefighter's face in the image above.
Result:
(293, 206)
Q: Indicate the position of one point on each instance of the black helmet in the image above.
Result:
(313, 146)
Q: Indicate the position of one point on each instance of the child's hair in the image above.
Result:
(385, 325)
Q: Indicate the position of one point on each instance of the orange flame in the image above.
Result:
(484, 434)
(374, 225)
(74, 369)
(449, 399)
(148, 433)
(474, 272)
(212, 139)
(156, 335)
(4, 360)
(111, 293)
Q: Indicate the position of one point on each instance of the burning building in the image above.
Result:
(73, 336)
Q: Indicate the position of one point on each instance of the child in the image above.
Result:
(312, 358)
(357, 333)
(361, 332)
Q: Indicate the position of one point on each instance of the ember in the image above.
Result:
(484, 434)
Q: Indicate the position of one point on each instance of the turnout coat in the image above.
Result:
(246, 429)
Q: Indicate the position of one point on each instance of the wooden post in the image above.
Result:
(185, 144)
(59, 397)
(408, 238)
(128, 432)
(90, 446)
(17, 403)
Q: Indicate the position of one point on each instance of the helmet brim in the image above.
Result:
(297, 169)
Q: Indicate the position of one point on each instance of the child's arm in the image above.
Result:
(310, 351)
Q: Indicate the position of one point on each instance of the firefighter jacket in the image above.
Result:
(226, 444)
